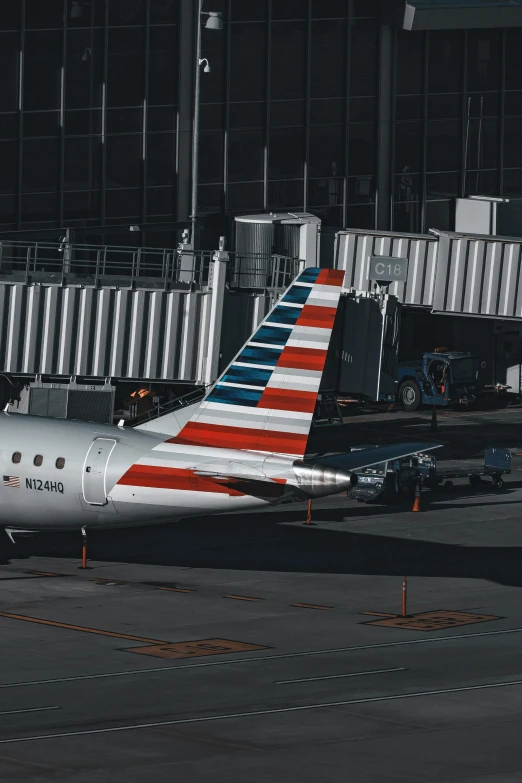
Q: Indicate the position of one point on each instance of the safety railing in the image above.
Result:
(102, 265)
(168, 407)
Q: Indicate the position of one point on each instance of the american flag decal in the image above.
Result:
(12, 481)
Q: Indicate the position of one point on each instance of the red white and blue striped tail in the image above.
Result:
(265, 399)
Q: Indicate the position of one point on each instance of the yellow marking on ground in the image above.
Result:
(176, 589)
(42, 573)
(242, 597)
(195, 649)
(311, 606)
(433, 621)
(81, 628)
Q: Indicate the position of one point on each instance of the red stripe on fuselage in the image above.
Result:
(330, 277)
(302, 358)
(226, 437)
(288, 400)
(314, 315)
(172, 478)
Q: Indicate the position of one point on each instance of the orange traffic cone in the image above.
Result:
(416, 502)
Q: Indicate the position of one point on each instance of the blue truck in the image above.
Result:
(441, 378)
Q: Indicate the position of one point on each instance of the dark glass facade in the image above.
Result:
(310, 104)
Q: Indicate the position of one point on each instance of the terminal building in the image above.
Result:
(383, 120)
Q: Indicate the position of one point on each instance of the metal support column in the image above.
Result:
(384, 129)
(186, 81)
(218, 271)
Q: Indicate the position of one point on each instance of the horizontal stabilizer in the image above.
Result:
(365, 458)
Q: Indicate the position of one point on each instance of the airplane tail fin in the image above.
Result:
(265, 399)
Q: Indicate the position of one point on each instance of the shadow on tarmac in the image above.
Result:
(260, 542)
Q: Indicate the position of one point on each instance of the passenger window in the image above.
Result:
(17, 456)
(60, 462)
(38, 460)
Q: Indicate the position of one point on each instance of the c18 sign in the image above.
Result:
(386, 269)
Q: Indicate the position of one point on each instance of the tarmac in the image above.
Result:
(255, 647)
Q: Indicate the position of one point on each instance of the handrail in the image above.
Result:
(168, 407)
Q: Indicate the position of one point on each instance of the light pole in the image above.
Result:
(214, 22)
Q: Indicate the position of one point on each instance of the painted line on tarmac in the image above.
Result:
(340, 676)
(258, 713)
(259, 659)
(30, 709)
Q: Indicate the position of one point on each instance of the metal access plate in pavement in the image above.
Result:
(195, 649)
(433, 621)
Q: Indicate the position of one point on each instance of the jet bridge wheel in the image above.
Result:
(409, 395)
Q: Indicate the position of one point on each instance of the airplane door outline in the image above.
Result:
(95, 470)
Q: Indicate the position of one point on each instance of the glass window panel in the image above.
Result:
(42, 70)
(366, 8)
(360, 190)
(288, 60)
(125, 67)
(126, 12)
(244, 115)
(43, 15)
(482, 183)
(513, 103)
(83, 122)
(326, 151)
(212, 116)
(10, 16)
(512, 69)
(210, 197)
(286, 194)
(9, 126)
(213, 48)
(407, 187)
(125, 120)
(327, 111)
(40, 164)
(363, 58)
(161, 118)
(248, 44)
(483, 142)
(328, 9)
(123, 161)
(211, 156)
(287, 113)
(327, 190)
(443, 185)
(408, 147)
(246, 150)
(84, 69)
(289, 9)
(362, 148)
(82, 160)
(161, 168)
(8, 209)
(8, 166)
(410, 62)
(483, 69)
(164, 11)
(41, 123)
(9, 64)
(286, 153)
(445, 60)
(330, 216)
(360, 216)
(328, 59)
(245, 195)
(439, 214)
(406, 217)
(444, 105)
(161, 201)
(409, 107)
(363, 109)
(85, 13)
(123, 203)
(252, 11)
(443, 145)
(39, 207)
(82, 205)
(512, 182)
(483, 105)
(163, 66)
(512, 145)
